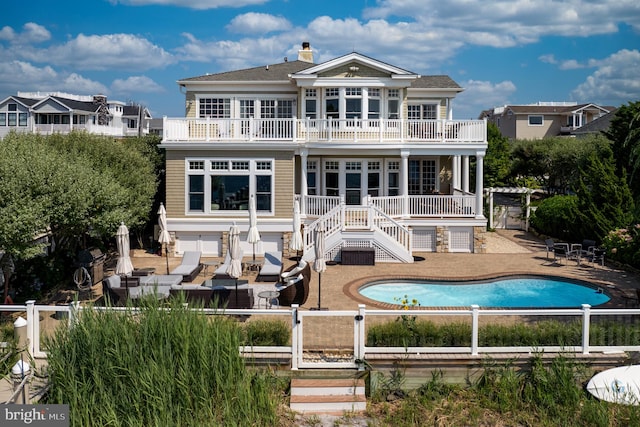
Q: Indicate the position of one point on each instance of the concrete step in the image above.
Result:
(327, 396)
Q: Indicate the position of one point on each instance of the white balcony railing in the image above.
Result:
(435, 206)
(323, 130)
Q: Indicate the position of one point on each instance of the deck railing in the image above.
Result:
(438, 206)
(359, 318)
(323, 130)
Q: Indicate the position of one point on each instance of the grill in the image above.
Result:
(93, 260)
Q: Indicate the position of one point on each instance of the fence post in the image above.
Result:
(32, 319)
(475, 315)
(295, 350)
(20, 331)
(360, 354)
(586, 319)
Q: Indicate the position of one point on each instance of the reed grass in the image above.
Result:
(158, 367)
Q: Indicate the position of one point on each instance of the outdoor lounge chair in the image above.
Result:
(190, 266)
(272, 267)
(294, 287)
(221, 272)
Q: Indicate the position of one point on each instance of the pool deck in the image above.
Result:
(508, 252)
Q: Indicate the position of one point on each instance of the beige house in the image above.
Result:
(369, 150)
(543, 119)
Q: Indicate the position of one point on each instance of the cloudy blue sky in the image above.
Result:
(515, 51)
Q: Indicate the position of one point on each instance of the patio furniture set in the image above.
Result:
(587, 250)
(222, 290)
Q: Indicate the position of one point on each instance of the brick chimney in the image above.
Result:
(305, 54)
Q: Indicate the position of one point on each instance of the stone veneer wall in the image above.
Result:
(479, 240)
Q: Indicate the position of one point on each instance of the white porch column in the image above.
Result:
(465, 174)
(404, 187)
(71, 121)
(479, 184)
(491, 209)
(455, 173)
(303, 182)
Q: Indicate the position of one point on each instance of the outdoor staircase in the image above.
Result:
(327, 395)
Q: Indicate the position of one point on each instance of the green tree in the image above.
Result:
(497, 161)
(76, 187)
(604, 199)
(624, 133)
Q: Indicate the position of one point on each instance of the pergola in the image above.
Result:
(511, 190)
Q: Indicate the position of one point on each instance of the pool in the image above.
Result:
(504, 292)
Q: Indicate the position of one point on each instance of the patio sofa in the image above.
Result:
(190, 266)
(119, 291)
(192, 293)
(225, 296)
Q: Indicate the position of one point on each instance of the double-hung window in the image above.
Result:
(332, 102)
(373, 104)
(422, 112)
(3, 119)
(353, 103)
(216, 108)
(310, 104)
(196, 186)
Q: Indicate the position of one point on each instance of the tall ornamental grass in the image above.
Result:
(158, 367)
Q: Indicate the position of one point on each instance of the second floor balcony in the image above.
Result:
(323, 130)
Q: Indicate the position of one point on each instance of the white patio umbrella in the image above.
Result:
(319, 264)
(235, 252)
(296, 243)
(124, 265)
(164, 237)
(253, 236)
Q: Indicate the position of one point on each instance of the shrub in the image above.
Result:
(556, 216)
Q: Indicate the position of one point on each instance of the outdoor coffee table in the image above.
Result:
(207, 264)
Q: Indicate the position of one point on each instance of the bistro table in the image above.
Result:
(207, 264)
(268, 297)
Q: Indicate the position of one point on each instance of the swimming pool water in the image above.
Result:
(520, 292)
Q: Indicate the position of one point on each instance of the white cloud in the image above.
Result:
(192, 4)
(77, 84)
(94, 52)
(34, 33)
(504, 23)
(136, 84)
(7, 33)
(29, 78)
(615, 82)
(258, 23)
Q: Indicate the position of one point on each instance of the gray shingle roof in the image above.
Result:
(272, 72)
(77, 105)
(281, 72)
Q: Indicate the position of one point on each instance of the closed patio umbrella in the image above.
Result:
(124, 266)
(296, 243)
(235, 252)
(253, 236)
(164, 238)
(319, 264)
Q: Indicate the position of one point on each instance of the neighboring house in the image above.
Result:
(543, 119)
(599, 125)
(369, 150)
(57, 112)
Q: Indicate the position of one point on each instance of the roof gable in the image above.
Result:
(356, 59)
